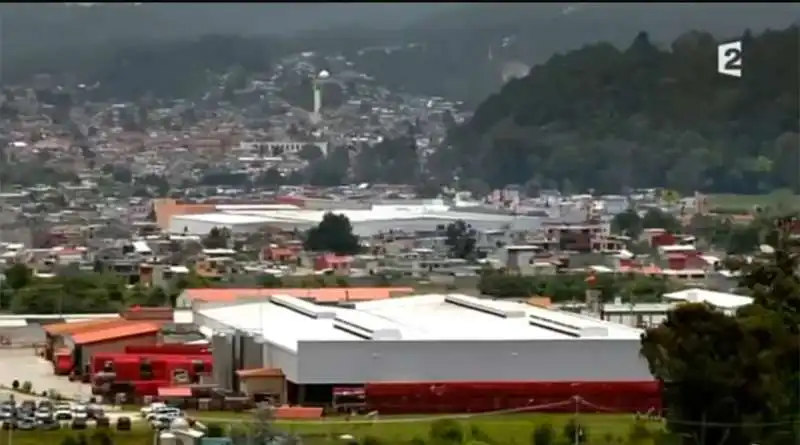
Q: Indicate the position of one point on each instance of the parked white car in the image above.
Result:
(153, 407)
(62, 412)
(164, 411)
(164, 418)
(80, 412)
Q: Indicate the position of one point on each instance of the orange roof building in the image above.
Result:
(322, 295)
(110, 339)
(114, 333)
(166, 208)
(56, 329)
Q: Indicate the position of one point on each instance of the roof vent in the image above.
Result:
(303, 307)
(485, 306)
(363, 326)
(594, 331)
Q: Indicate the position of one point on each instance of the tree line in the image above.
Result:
(572, 287)
(73, 291)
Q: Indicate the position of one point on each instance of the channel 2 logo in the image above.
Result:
(729, 59)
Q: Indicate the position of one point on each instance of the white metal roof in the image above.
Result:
(285, 320)
(376, 213)
(223, 218)
(722, 300)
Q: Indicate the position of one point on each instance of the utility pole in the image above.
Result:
(577, 432)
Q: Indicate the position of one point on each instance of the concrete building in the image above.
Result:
(419, 338)
(201, 224)
(651, 314)
(365, 222)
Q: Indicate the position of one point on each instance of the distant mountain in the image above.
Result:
(647, 115)
(461, 53)
(55, 37)
(456, 50)
(48, 25)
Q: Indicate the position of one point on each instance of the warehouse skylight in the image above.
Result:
(567, 324)
(365, 326)
(485, 306)
(303, 307)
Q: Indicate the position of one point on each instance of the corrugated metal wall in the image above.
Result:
(253, 353)
(222, 355)
(233, 349)
(333, 362)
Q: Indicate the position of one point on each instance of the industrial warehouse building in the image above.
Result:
(432, 338)
(365, 222)
(72, 344)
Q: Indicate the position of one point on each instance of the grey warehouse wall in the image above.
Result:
(222, 355)
(553, 360)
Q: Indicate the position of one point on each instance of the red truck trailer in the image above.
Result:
(128, 367)
(168, 349)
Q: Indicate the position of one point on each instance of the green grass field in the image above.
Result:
(746, 203)
(502, 429)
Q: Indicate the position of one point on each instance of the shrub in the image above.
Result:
(15, 385)
(575, 432)
(371, 440)
(543, 434)
(639, 434)
(238, 433)
(102, 437)
(27, 387)
(478, 435)
(214, 429)
(446, 431)
(69, 440)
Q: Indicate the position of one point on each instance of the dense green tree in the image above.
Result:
(460, 239)
(393, 160)
(217, 238)
(734, 378)
(543, 434)
(311, 153)
(333, 234)
(18, 276)
(627, 223)
(270, 281)
(658, 219)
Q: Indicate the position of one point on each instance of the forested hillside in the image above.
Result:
(461, 53)
(609, 119)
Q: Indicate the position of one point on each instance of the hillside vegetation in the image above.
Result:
(607, 119)
(461, 53)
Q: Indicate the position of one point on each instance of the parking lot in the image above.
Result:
(21, 364)
(26, 415)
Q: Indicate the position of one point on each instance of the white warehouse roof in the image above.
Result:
(424, 338)
(366, 222)
(285, 320)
